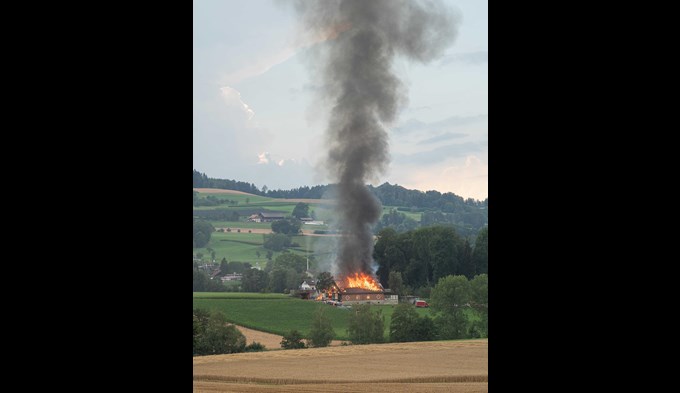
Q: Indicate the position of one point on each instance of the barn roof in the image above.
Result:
(271, 215)
(359, 291)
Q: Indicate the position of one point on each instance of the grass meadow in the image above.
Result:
(278, 313)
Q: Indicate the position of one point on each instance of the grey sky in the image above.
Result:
(256, 117)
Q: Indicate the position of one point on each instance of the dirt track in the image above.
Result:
(306, 232)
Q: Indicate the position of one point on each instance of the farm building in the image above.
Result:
(349, 296)
(308, 285)
(313, 222)
(307, 290)
(266, 217)
(363, 296)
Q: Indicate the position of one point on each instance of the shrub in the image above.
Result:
(255, 347)
(212, 336)
(321, 333)
(292, 340)
(366, 327)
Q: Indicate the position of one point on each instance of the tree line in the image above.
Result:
(280, 275)
(387, 194)
(424, 255)
(212, 200)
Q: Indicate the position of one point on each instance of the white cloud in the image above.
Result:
(232, 97)
(259, 66)
(263, 158)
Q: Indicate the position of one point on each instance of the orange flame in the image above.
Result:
(362, 280)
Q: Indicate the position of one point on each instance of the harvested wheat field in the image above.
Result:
(270, 341)
(438, 366)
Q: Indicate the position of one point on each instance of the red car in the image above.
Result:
(421, 303)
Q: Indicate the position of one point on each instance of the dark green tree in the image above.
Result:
(203, 283)
(276, 241)
(480, 254)
(467, 266)
(449, 297)
(213, 335)
(395, 283)
(292, 340)
(425, 329)
(212, 254)
(287, 226)
(282, 278)
(301, 210)
(202, 232)
(365, 326)
(386, 238)
(290, 260)
(324, 281)
(404, 323)
(479, 300)
(254, 280)
(321, 332)
(277, 280)
(407, 325)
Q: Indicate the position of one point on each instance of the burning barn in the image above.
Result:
(359, 288)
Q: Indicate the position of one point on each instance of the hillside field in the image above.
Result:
(244, 246)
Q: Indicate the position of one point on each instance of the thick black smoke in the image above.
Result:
(362, 39)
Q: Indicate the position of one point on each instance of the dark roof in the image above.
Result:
(272, 215)
(358, 290)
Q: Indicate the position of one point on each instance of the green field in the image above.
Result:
(278, 314)
(239, 295)
(415, 216)
(244, 246)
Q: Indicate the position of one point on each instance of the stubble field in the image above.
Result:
(438, 366)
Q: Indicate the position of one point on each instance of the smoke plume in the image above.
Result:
(355, 61)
